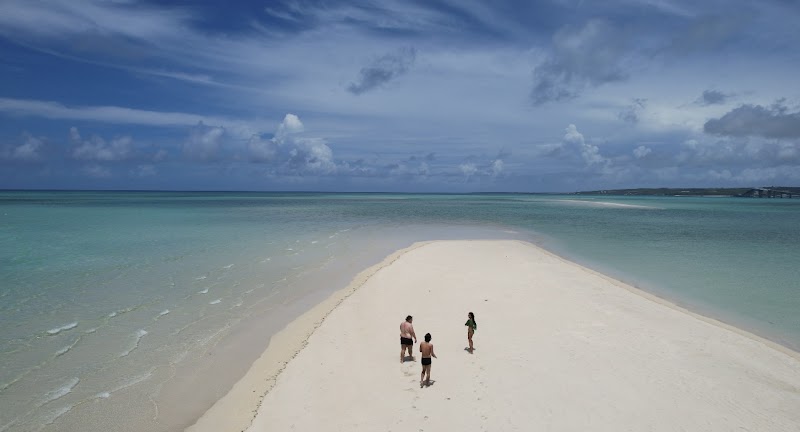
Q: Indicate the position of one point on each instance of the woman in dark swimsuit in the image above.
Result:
(471, 327)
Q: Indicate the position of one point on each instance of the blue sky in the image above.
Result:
(399, 95)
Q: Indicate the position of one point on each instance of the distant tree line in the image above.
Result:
(731, 192)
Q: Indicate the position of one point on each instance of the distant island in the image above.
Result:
(757, 192)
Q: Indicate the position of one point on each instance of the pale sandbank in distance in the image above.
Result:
(561, 348)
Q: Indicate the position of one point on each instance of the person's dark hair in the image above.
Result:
(409, 318)
(472, 317)
(427, 337)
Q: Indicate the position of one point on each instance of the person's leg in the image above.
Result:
(469, 338)
(402, 352)
(422, 376)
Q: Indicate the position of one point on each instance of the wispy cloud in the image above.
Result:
(580, 57)
(111, 114)
(713, 97)
(383, 70)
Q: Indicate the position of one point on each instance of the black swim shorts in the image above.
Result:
(406, 341)
(426, 361)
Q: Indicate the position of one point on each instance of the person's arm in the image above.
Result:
(414, 335)
(433, 353)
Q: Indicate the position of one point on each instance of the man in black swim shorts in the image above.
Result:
(406, 333)
(426, 348)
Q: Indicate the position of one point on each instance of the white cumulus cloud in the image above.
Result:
(98, 149)
(589, 153)
(641, 152)
(28, 151)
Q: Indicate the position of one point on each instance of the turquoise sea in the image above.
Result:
(137, 310)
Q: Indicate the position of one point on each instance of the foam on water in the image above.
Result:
(139, 335)
(130, 382)
(66, 349)
(213, 302)
(65, 327)
(54, 415)
(164, 312)
(205, 291)
(119, 312)
(61, 391)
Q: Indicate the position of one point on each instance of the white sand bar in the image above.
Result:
(558, 348)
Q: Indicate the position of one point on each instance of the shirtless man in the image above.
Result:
(406, 333)
(426, 348)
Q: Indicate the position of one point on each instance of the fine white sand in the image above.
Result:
(558, 347)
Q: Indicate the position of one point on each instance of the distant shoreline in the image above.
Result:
(660, 192)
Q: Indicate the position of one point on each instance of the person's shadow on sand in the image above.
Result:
(409, 358)
(427, 383)
(468, 350)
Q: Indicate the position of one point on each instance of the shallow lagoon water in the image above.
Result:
(114, 306)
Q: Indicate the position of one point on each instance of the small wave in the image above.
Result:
(54, 415)
(290, 249)
(314, 242)
(103, 395)
(249, 291)
(139, 335)
(66, 349)
(130, 383)
(164, 312)
(65, 327)
(200, 277)
(91, 330)
(205, 291)
(266, 260)
(238, 304)
(213, 302)
(121, 311)
(228, 266)
(332, 236)
(61, 391)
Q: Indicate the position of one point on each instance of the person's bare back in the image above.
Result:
(406, 336)
(426, 348)
(407, 330)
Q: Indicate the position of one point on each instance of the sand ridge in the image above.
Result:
(557, 348)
